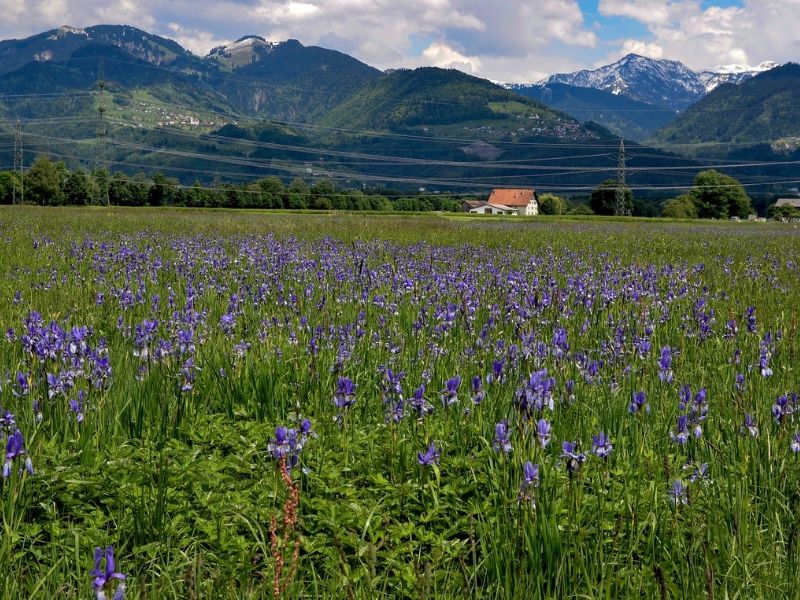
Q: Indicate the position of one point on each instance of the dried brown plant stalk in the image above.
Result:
(280, 542)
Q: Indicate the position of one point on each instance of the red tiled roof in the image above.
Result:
(512, 197)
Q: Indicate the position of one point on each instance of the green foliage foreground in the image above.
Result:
(170, 462)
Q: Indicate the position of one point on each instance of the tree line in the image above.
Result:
(51, 183)
(714, 195)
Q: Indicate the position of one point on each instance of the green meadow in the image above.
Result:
(251, 404)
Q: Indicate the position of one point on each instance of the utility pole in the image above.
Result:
(102, 188)
(19, 167)
(620, 207)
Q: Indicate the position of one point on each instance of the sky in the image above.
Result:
(504, 40)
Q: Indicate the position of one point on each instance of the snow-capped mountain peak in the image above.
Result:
(736, 69)
(65, 30)
(661, 82)
(244, 50)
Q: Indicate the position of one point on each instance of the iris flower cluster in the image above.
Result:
(289, 442)
(536, 395)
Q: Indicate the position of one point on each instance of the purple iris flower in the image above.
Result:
(678, 494)
(665, 365)
(731, 329)
(418, 402)
(496, 376)
(7, 420)
(530, 481)
(227, 323)
(751, 319)
(698, 411)
(782, 409)
(478, 394)
(105, 575)
(279, 446)
(23, 387)
(502, 439)
(592, 371)
(574, 459)
(750, 425)
(15, 446)
(685, 395)
(681, 433)
(537, 394)
(739, 382)
(570, 387)
(345, 395)
(392, 382)
(430, 456)
(288, 443)
(76, 406)
(700, 472)
(188, 373)
(543, 432)
(601, 445)
(763, 363)
(638, 403)
(450, 391)
(530, 475)
(795, 445)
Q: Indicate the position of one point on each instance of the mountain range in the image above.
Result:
(635, 96)
(659, 82)
(255, 107)
(760, 117)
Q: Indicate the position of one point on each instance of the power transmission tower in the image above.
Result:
(102, 163)
(620, 206)
(19, 167)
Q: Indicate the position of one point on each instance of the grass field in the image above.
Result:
(337, 406)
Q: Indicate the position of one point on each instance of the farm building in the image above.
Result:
(505, 202)
(790, 202)
(493, 209)
(468, 205)
(523, 201)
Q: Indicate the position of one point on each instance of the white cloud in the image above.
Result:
(12, 9)
(514, 40)
(119, 12)
(509, 40)
(642, 49)
(647, 11)
(194, 40)
(442, 55)
(756, 31)
(55, 11)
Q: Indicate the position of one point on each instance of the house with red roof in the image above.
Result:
(523, 201)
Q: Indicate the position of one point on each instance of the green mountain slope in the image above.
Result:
(620, 114)
(60, 44)
(432, 98)
(763, 110)
(287, 80)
